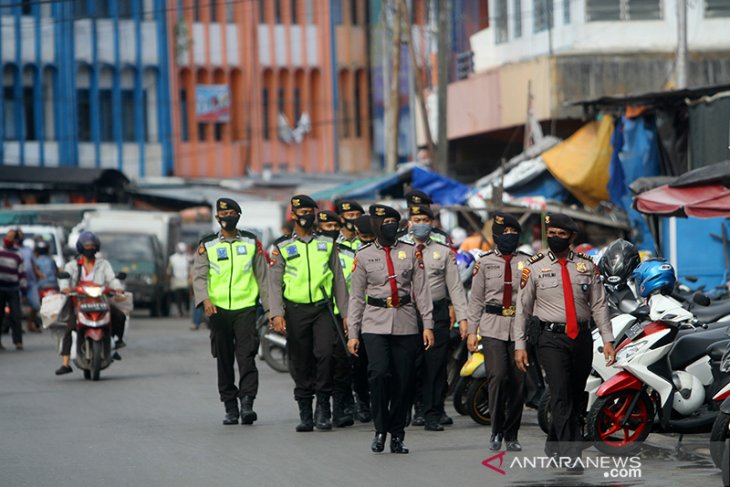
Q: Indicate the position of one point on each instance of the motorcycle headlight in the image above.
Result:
(628, 352)
(725, 362)
(93, 291)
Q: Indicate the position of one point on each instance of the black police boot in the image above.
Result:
(495, 442)
(231, 416)
(340, 417)
(248, 415)
(306, 422)
(446, 420)
(363, 411)
(378, 444)
(418, 418)
(513, 445)
(323, 413)
(397, 445)
(432, 424)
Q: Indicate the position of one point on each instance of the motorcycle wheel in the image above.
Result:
(276, 357)
(604, 428)
(95, 360)
(544, 417)
(459, 396)
(477, 401)
(718, 436)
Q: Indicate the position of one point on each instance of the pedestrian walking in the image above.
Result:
(349, 211)
(178, 271)
(491, 314)
(230, 276)
(563, 291)
(12, 283)
(301, 266)
(387, 277)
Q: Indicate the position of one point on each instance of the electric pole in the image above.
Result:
(444, 45)
(393, 109)
(681, 62)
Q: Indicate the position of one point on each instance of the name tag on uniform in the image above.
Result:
(322, 246)
(292, 252)
(222, 253)
(241, 250)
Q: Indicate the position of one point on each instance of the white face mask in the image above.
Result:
(181, 248)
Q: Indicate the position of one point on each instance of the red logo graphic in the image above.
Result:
(488, 463)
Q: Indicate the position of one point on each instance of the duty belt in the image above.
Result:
(498, 310)
(560, 327)
(387, 302)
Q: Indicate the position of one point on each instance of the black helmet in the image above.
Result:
(619, 261)
(87, 237)
(42, 247)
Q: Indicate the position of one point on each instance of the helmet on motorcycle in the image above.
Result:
(619, 261)
(465, 262)
(85, 238)
(584, 248)
(42, 247)
(653, 276)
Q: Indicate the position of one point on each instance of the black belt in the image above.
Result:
(560, 327)
(441, 302)
(387, 302)
(495, 309)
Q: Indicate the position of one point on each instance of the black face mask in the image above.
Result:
(306, 221)
(558, 244)
(333, 234)
(89, 253)
(507, 242)
(229, 222)
(388, 232)
(350, 224)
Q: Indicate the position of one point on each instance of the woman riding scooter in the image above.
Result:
(89, 268)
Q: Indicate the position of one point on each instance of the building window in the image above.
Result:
(265, 113)
(83, 102)
(106, 116)
(294, 6)
(81, 9)
(213, 10)
(501, 33)
(609, 10)
(280, 105)
(26, 7)
(566, 12)
(543, 15)
(230, 14)
(358, 110)
(717, 8)
(337, 11)
(277, 11)
(218, 131)
(297, 105)
(309, 11)
(11, 130)
(196, 10)
(353, 12)
(644, 9)
(517, 18)
(202, 132)
(128, 125)
(124, 9)
(262, 11)
(184, 125)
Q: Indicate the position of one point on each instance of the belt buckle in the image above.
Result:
(389, 302)
(508, 311)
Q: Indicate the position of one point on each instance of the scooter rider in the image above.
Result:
(99, 271)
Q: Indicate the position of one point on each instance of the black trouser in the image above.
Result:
(234, 338)
(181, 296)
(534, 383)
(435, 360)
(360, 383)
(11, 297)
(342, 374)
(310, 344)
(506, 387)
(567, 364)
(118, 320)
(391, 375)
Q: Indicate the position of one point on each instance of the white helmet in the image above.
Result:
(690, 392)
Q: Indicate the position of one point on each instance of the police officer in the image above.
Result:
(349, 211)
(562, 290)
(300, 266)
(328, 224)
(387, 277)
(365, 229)
(420, 198)
(446, 288)
(491, 312)
(229, 276)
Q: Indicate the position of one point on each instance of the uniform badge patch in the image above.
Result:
(291, 251)
(521, 265)
(476, 269)
(222, 253)
(259, 247)
(402, 255)
(322, 246)
(354, 265)
(241, 250)
(581, 267)
(524, 277)
(201, 249)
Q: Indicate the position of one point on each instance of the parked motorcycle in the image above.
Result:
(272, 346)
(471, 395)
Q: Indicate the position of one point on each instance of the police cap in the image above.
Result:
(558, 220)
(416, 197)
(421, 210)
(364, 224)
(328, 216)
(348, 205)
(501, 220)
(226, 204)
(302, 201)
(383, 212)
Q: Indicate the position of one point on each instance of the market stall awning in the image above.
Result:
(701, 201)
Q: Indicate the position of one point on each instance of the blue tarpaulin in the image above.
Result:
(635, 155)
(443, 190)
(544, 185)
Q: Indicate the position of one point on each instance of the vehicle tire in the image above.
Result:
(477, 401)
(459, 396)
(87, 374)
(602, 423)
(96, 348)
(718, 436)
(275, 356)
(544, 416)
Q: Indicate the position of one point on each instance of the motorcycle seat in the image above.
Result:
(690, 347)
(717, 349)
(712, 312)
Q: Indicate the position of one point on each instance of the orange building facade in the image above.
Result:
(297, 95)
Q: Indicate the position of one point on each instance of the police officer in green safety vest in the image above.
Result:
(230, 273)
(300, 266)
(349, 211)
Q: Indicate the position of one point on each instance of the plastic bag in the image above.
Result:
(125, 303)
(53, 312)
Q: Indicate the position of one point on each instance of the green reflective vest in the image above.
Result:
(306, 268)
(354, 244)
(231, 281)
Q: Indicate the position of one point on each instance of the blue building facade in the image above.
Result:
(86, 84)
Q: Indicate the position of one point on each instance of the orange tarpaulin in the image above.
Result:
(581, 162)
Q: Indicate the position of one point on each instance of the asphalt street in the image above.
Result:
(154, 419)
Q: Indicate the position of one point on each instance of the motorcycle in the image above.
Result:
(666, 379)
(471, 396)
(720, 433)
(272, 346)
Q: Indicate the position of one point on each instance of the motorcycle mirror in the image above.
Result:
(121, 276)
(628, 306)
(700, 299)
(63, 275)
(691, 279)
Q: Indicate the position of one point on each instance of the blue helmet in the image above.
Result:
(465, 262)
(654, 275)
(87, 237)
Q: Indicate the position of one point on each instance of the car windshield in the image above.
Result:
(127, 247)
(47, 236)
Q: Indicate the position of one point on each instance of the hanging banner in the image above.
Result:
(212, 103)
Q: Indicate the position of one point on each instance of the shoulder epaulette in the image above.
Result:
(208, 238)
(522, 252)
(282, 239)
(345, 250)
(443, 244)
(583, 256)
(325, 238)
(407, 242)
(486, 253)
(536, 258)
(247, 234)
(364, 246)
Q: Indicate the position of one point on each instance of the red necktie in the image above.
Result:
(507, 296)
(571, 320)
(391, 277)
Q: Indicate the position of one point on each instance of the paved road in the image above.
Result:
(154, 420)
